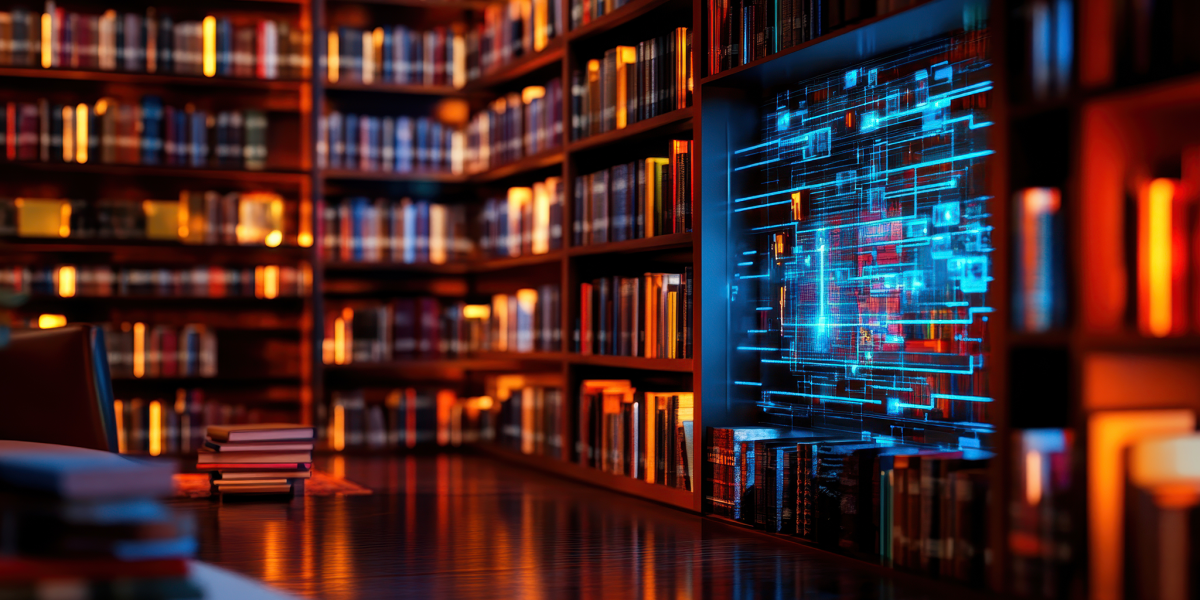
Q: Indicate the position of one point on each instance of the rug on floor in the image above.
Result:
(196, 485)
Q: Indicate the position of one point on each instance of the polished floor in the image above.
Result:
(468, 526)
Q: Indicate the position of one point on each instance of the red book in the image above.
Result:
(169, 353)
(254, 466)
(585, 319)
(27, 132)
(15, 570)
(10, 135)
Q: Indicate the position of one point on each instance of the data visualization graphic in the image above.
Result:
(861, 294)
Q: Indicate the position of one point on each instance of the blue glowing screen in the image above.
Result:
(864, 265)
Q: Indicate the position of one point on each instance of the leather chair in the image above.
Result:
(55, 388)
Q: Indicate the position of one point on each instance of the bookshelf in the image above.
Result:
(251, 332)
(1096, 124)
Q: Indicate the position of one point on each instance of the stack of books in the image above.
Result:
(514, 126)
(634, 200)
(643, 435)
(509, 31)
(89, 523)
(388, 144)
(264, 281)
(396, 54)
(648, 316)
(268, 458)
(359, 229)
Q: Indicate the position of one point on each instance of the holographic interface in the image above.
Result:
(861, 294)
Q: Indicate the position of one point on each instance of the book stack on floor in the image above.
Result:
(88, 524)
(268, 458)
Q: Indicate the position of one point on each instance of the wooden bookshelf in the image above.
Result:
(152, 79)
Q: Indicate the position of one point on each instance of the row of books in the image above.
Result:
(648, 316)
(923, 510)
(634, 200)
(527, 221)
(138, 350)
(632, 83)
(166, 426)
(209, 217)
(530, 419)
(152, 43)
(508, 31)
(1041, 525)
(66, 281)
(646, 436)
(141, 133)
(373, 332)
(1150, 40)
(516, 125)
(266, 458)
(585, 11)
(388, 144)
(407, 231)
(400, 418)
(742, 31)
(396, 54)
(83, 523)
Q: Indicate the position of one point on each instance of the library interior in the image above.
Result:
(648, 299)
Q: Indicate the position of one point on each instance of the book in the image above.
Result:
(78, 473)
(259, 433)
(207, 457)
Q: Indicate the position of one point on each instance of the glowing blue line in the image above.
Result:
(826, 398)
(891, 388)
(752, 147)
(748, 383)
(749, 252)
(745, 208)
(758, 331)
(745, 264)
(758, 164)
(957, 397)
(759, 348)
(753, 276)
(764, 308)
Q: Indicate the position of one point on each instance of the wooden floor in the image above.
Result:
(469, 526)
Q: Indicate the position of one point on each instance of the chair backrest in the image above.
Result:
(55, 388)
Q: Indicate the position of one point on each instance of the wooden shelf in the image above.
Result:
(1138, 344)
(615, 19)
(673, 365)
(455, 4)
(289, 178)
(664, 124)
(457, 268)
(122, 246)
(203, 381)
(273, 85)
(405, 89)
(650, 244)
(516, 69)
(385, 176)
(714, 78)
(675, 497)
(541, 160)
(435, 368)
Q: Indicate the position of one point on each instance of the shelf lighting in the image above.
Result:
(332, 54)
(81, 133)
(51, 321)
(139, 350)
(66, 281)
(209, 27)
(155, 419)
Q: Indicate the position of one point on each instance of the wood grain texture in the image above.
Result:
(468, 526)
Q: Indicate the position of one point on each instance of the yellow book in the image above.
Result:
(368, 58)
(162, 219)
(43, 217)
(438, 243)
(541, 218)
(540, 21)
(654, 194)
(626, 56)
(672, 325)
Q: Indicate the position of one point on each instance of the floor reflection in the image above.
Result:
(465, 526)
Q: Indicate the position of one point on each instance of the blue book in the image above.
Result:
(351, 126)
(404, 144)
(152, 140)
(79, 473)
(388, 69)
(198, 152)
(182, 546)
(358, 226)
(224, 47)
(337, 140)
(435, 147)
(422, 143)
(620, 204)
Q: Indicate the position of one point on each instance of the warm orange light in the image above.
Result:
(484, 402)
(797, 206)
(1033, 477)
(1109, 433)
(66, 281)
(139, 349)
(119, 409)
(155, 428)
(445, 403)
(81, 133)
(305, 238)
(271, 282)
(626, 56)
(438, 234)
(68, 134)
(500, 309)
(209, 60)
(541, 218)
(477, 311)
(532, 92)
(339, 341)
(331, 55)
(368, 58)
(274, 239)
(338, 429)
(101, 107)
(64, 223)
(47, 41)
(51, 321)
(1156, 250)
